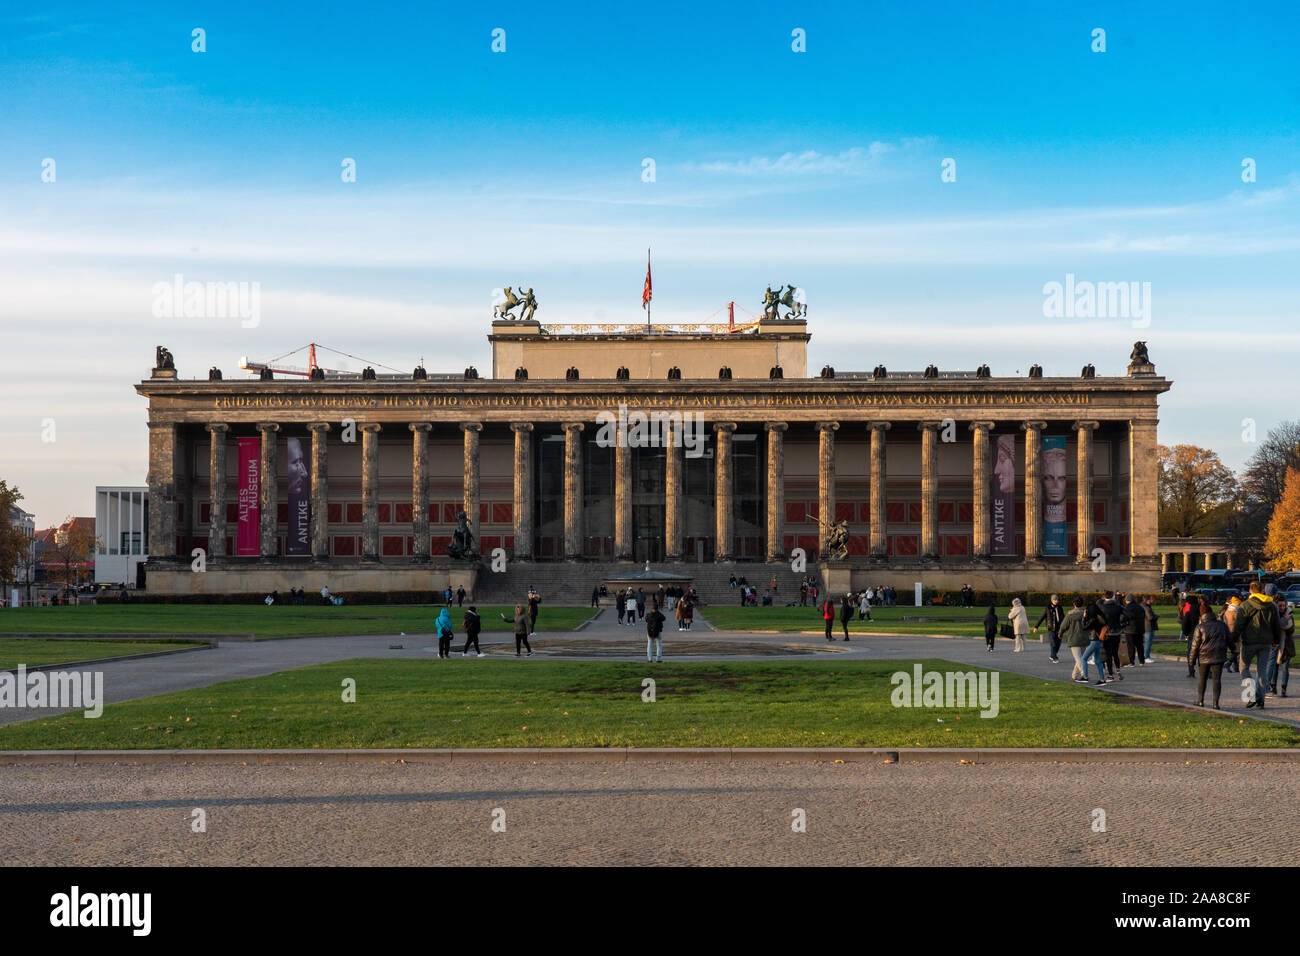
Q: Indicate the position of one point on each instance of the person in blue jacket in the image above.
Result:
(445, 633)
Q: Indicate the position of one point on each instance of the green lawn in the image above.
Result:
(277, 621)
(542, 703)
(15, 651)
(885, 619)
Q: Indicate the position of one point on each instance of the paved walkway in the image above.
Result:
(605, 639)
(650, 813)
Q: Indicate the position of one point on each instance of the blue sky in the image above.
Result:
(477, 170)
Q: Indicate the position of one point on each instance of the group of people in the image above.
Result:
(459, 594)
(1117, 630)
(1259, 632)
(630, 605)
(296, 596)
(852, 602)
(967, 596)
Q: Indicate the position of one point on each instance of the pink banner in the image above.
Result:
(250, 489)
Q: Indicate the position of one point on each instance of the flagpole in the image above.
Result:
(647, 302)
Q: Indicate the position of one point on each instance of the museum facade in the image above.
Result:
(694, 445)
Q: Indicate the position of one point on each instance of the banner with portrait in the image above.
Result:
(298, 540)
(1054, 467)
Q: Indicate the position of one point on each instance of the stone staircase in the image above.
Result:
(570, 582)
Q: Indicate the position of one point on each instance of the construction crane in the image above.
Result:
(276, 366)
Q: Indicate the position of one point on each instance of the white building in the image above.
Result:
(121, 523)
(25, 570)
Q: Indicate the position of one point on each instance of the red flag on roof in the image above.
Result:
(647, 293)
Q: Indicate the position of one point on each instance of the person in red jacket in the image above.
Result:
(828, 615)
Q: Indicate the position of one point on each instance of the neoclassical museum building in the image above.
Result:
(356, 482)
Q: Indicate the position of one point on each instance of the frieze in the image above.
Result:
(686, 400)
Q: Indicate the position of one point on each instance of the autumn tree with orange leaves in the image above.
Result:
(1197, 491)
(1282, 548)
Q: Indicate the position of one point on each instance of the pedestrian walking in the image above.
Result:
(654, 642)
(534, 602)
(1134, 628)
(640, 604)
(1152, 621)
(1229, 619)
(1286, 622)
(472, 625)
(1019, 618)
(688, 612)
(1113, 613)
(846, 613)
(991, 627)
(1076, 639)
(1285, 650)
(629, 605)
(1209, 649)
(460, 596)
(595, 597)
(864, 608)
(445, 633)
(828, 615)
(523, 627)
(1259, 633)
(1094, 623)
(618, 606)
(1053, 614)
(1189, 615)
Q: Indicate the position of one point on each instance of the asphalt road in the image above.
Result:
(650, 813)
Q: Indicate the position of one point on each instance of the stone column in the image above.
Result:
(471, 482)
(929, 490)
(1229, 561)
(523, 504)
(878, 476)
(981, 525)
(572, 489)
(1209, 560)
(622, 500)
(724, 492)
(1164, 562)
(217, 490)
(672, 493)
(775, 489)
(370, 491)
(1143, 496)
(320, 515)
(1033, 489)
(420, 490)
(162, 490)
(267, 483)
(825, 483)
(1083, 491)
(1187, 562)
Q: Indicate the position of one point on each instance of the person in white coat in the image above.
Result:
(1019, 618)
(630, 604)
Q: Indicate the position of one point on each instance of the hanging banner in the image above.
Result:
(298, 541)
(248, 542)
(1003, 517)
(1054, 469)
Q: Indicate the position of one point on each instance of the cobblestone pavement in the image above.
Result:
(649, 813)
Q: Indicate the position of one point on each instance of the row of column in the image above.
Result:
(1142, 491)
(1189, 558)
